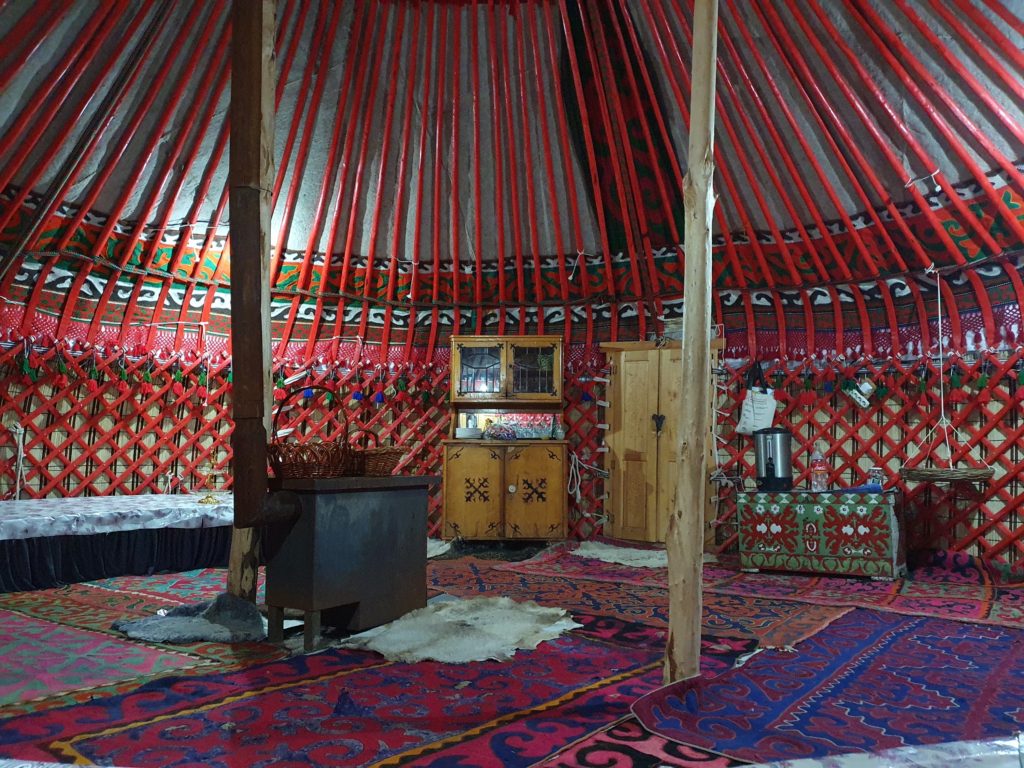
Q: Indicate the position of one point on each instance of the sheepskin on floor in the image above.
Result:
(458, 631)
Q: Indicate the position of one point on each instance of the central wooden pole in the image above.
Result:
(251, 171)
(685, 541)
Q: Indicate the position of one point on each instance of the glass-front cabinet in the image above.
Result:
(510, 368)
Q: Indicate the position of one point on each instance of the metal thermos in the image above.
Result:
(773, 454)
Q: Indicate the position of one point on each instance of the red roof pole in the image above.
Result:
(499, 206)
(609, 276)
(529, 166)
(505, 65)
(670, 67)
(565, 153)
(428, 49)
(305, 279)
(552, 191)
(607, 104)
(208, 91)
(315, 67)
(438, 196)
(400, 183)
(882, 142)
(22, 40)
(128, 185)
(478, 246)
(456, 204)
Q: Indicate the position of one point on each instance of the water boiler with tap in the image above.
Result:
(773, 452)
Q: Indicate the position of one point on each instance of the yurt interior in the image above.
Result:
(508, 383)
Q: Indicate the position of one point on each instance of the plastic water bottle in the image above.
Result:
(819, 470)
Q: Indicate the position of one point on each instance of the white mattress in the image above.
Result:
(33, 518)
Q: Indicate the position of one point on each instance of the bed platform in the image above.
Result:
(50, 542)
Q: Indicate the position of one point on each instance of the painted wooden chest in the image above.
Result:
(830, 532)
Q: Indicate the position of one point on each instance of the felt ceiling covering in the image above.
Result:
(474, 164)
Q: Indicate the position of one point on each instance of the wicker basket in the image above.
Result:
(946, 474)
(312, 460)
(378, 461)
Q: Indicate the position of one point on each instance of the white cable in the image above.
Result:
(19, 462)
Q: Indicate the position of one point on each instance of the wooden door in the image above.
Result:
(633, 446)
(473, 493)
(535, 495)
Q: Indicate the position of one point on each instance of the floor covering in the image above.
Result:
(73, 690)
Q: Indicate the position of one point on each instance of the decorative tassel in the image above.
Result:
(202, 392)
(280, 393)
(378, 394)
(357, 389)
(401, 391)
(178, 387)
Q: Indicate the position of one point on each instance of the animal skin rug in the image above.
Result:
(225, 619)
(436, 547)
(459, 631)
(638, 558)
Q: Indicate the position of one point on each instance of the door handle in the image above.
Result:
(659, 421)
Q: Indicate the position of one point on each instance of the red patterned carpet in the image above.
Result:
(565, 704)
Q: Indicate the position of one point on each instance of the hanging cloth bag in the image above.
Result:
(758, 409)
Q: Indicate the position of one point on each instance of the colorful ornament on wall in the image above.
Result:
(982, 394)
(828, 378)
(61, 380)
(123, 385)
(146, 385)
(401, 396)
(280, 393)
(808, 397)
(177, 382)
(956, 393)
(202, 382)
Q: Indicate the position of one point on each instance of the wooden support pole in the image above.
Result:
(251, 180)
(685, 541)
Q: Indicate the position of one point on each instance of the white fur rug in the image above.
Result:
(437, 547)
(638, 558)
(459, 631)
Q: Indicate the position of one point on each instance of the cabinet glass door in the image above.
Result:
(535, 371)
(478, 369)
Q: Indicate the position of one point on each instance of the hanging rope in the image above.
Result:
(948, 472)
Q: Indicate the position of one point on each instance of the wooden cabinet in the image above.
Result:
(642, 439)
(507, 369)
(499, 490)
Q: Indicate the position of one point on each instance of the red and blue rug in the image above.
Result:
(771, 622)
(627, 744)
(945, 585)
(353, 708)
(870, 681)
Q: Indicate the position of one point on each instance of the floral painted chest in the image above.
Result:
(850, 534)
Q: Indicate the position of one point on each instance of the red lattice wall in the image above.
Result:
(95, 425)
(983, 397)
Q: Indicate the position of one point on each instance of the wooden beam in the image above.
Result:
(251, 178)
(685, 541)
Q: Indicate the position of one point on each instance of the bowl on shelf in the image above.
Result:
(468, 433)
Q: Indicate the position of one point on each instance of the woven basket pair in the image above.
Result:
(377, 461)
(328, 458)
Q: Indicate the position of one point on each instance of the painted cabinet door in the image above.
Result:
(535, 491)
(633, 446)
(473, 493)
